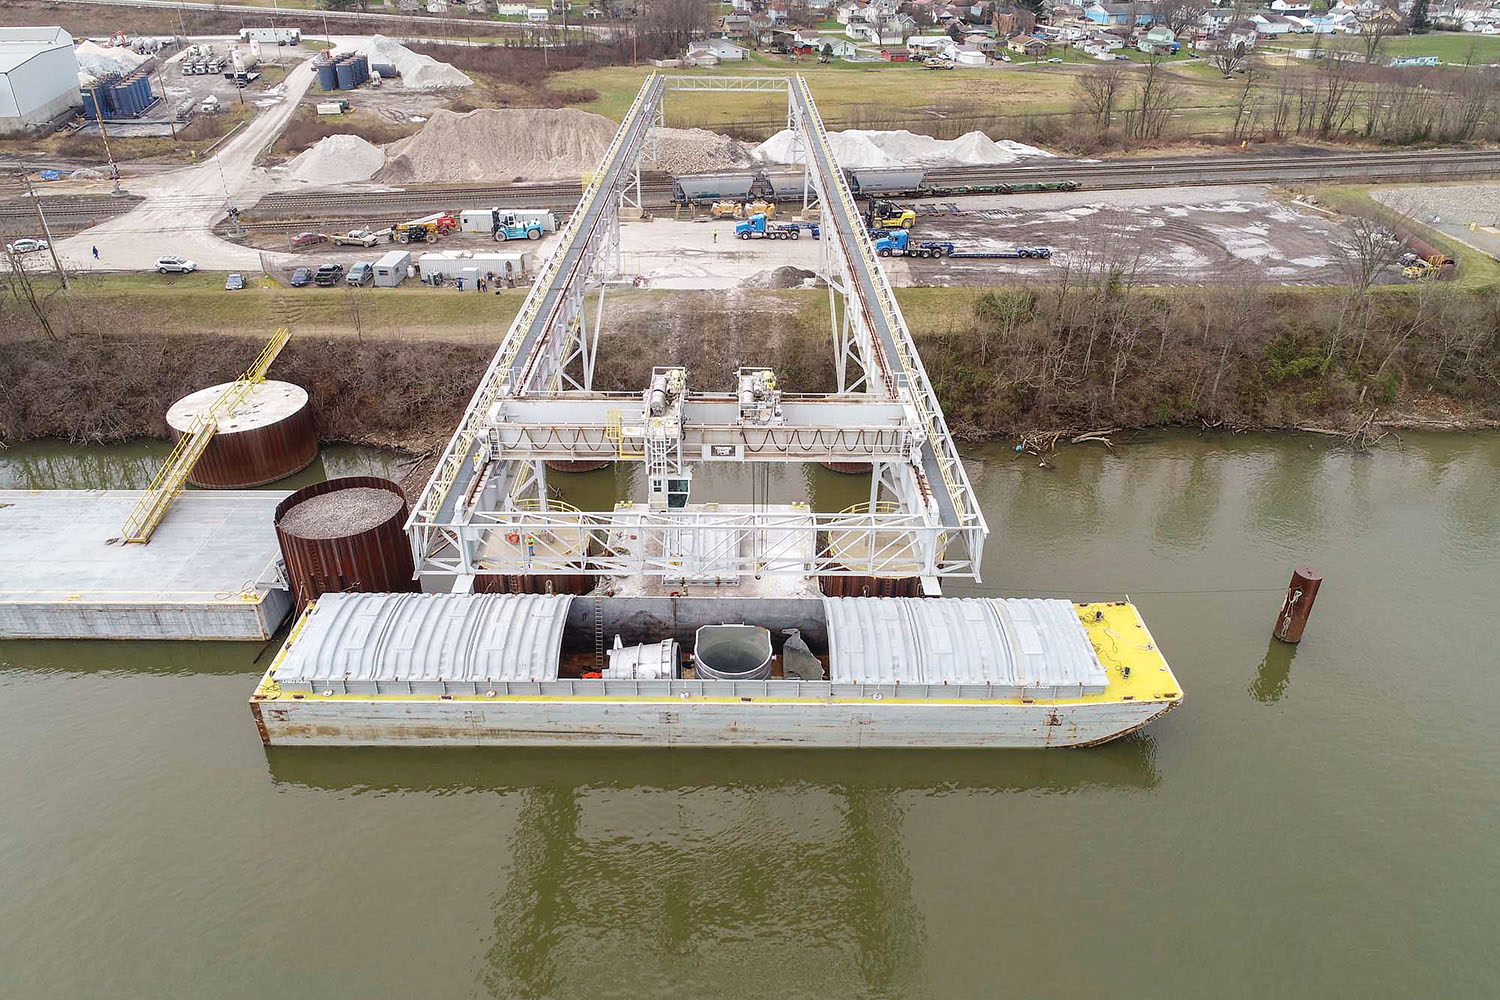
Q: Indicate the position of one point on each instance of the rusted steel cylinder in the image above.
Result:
(270, 436)
(582, 465)
(342, 536)
(1297, 605)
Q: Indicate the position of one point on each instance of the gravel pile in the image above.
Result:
(499, 144)
(864, 148)
(342, 512)
(785, 276)
(96, 60)
(697, 151)
(338, 159)
(417, 72)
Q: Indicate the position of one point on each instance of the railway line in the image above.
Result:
(285, 212)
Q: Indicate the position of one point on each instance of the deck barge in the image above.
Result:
(211, 571)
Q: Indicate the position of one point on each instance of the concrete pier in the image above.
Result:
(211, 570)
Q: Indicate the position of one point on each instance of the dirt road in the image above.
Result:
(181, 206)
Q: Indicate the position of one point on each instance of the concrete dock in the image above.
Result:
(211, 571)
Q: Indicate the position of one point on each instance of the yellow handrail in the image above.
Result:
(169, 480)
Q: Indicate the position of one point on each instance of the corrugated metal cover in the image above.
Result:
(358, 639)
(1011, 643)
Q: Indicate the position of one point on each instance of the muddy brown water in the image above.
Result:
(1313, 822)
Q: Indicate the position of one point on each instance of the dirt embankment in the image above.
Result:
(1002, 362)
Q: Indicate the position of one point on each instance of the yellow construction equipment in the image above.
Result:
(171, 477)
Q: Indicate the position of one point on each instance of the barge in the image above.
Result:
(521, 670)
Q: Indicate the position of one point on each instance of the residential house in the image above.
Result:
(932, 45)
(477, 6)
(895, 55)
(1127, 14)
(1008, 21)
(712, 51)
(1158, 41)
(1027, 45)
(734, 25)
(971, 55)
(1291, 7)
(1268, 24)
(436, 6)
(983, 39)
(841, 48)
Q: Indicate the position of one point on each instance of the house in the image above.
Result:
(1107, 42)
(712, 51)
(1293, 7)
(844, 12)
(1027, 45)
(982, 40)
(734, 25)
(932, 45)
(1268, 24)
(436, 6)
(1008, 21)
(838, 48)
(1128, 14)
(1158, 41)
(969, 55)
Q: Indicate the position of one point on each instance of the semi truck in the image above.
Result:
(756, 228)
(281, 36)
(899, 245)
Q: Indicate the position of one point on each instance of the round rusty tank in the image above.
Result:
(345, 536)
(858, 546)
(270, 436)
(587, 465)
(534, 583)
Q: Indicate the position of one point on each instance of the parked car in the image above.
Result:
(178, 265)
(328, 275)
(362, 273)
(308, 240)
(27, 245)
(234, 282)
(302, 277)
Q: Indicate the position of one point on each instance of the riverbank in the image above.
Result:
(395, 370)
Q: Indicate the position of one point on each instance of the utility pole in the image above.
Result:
(171, 111)
(46, 231)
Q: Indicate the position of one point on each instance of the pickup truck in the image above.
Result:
(356, 238)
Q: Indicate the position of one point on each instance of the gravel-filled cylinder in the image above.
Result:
(345, 536)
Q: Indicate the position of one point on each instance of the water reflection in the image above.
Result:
(92, 656)
(1274, 673)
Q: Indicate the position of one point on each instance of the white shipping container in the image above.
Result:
(480, 220)
(391, 269)
(281, 36)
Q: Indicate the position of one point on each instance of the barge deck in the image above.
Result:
(211, 570)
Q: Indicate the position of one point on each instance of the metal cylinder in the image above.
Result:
(732, 653)
(1297, 605)
(328, 78)
(349, 544)
(271, 435)
(870, 586)
(534, 583)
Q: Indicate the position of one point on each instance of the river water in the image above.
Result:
(1317, 822)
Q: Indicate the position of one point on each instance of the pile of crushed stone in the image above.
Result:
(341, 512)
(96, 60)
(785, 276)
(338, 159)
(864, 148)
(499, 144)
(417, 72)
(697, 151)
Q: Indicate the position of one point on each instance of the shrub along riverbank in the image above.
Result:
(1085, 353)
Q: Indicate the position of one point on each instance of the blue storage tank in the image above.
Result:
(327, 77)
(362, 69)
(385, 70)
(88, 104)
(117, 102)
(346, 76)
(143, 92)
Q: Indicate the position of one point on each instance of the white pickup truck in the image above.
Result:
(356, 238)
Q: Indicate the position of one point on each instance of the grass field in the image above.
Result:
(1450, 47)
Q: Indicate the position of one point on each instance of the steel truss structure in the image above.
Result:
(486, 509)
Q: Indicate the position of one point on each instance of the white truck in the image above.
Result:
(280, 36)
(483, 220)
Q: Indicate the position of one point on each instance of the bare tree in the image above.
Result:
(1374, 30)
(1228, 55)
(1156, 98)
(1099, 91)
(1370, 248)
(21, 280)
(1178, 15)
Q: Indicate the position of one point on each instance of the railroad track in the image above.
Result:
(67, 215)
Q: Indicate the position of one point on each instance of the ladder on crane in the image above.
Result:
(172, 476)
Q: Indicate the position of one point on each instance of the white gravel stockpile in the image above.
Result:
(96, 60)
(697, 151)
(863, 148)
(500, 144)
(418, 72)
(338, 159)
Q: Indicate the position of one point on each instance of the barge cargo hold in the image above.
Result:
(495, 670)
(210, 571)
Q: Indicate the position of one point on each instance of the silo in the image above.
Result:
(327, 77)
(271, 436)
(345, 536)
(897, 562)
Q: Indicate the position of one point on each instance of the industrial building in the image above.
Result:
(38, 76)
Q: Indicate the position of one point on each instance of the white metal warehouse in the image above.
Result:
(38, 76)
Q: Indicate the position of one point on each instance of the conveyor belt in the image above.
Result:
(899, 364)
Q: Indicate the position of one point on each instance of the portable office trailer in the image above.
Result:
(390, 270)
(452, 263)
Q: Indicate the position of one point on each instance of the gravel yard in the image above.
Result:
(1173, 236)
(1451, 208)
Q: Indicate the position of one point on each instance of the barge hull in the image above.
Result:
(345, 721)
